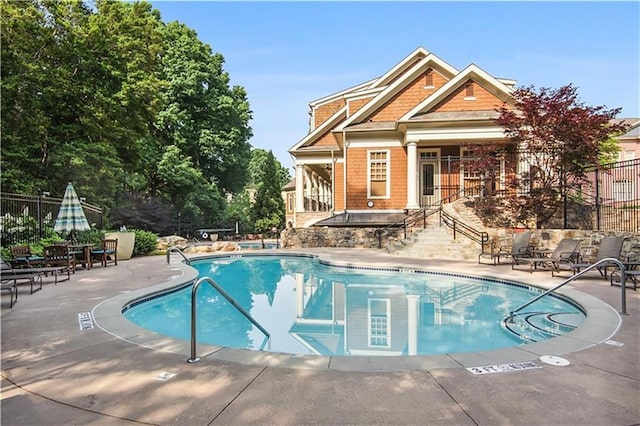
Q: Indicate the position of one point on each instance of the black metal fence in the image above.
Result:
(26, 218)
(615, 196)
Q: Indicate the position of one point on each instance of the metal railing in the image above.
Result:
(459, 227)
(420, 217)
(177, 250)
(608, 260)
(231, 300)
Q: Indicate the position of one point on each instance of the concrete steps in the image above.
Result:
(437, 241)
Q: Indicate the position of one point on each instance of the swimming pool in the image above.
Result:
(312, 308)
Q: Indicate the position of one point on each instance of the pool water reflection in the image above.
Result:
(310, 308)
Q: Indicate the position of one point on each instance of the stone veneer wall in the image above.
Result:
(330, 237)
(367, 238)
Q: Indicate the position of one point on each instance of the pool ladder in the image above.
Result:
(231, 300)
(608, 261)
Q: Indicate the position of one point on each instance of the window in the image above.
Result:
(623, 190)
(378, 174)
(379, 323)
(290, 201)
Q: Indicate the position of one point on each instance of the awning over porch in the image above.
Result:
(361, 220)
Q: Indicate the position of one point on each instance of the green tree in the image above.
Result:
(268, 209)
(201, 115)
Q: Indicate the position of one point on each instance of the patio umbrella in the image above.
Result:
(71, 215)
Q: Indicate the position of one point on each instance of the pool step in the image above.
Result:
(535, 326)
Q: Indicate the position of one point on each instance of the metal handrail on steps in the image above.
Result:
(231, 300)
(457, 226)
(422, 214)
(608, 260)
(177, 250)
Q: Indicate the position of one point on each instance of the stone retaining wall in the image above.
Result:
(367, 238)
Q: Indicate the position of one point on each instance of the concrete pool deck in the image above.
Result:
(54, 373)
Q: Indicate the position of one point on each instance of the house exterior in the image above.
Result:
(395, 143)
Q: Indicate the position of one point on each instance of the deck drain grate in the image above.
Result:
(554, 360)
(504, 368)
(614, 343)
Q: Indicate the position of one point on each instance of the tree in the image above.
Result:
(268, 209)
(552, 139)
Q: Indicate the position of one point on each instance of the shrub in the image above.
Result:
(146, 242)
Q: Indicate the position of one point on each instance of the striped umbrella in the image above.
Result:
(71, 216)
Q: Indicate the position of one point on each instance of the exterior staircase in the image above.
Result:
(437, 242)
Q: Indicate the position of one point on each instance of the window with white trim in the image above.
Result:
(379, 326)
(378, 174)
(623, 190)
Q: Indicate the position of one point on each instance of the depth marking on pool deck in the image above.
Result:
(85, 321)
(504, 368)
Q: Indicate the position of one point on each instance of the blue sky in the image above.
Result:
(287, 54)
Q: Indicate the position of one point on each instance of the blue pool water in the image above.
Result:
(311, 308)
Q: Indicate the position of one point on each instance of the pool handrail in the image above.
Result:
(224, 294)
(176, 249)
(609, 260)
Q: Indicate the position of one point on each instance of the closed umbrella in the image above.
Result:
(71, 215)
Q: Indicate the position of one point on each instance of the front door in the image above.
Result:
(429, 178)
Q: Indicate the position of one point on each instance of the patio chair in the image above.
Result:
(59, 256)
(21, 256)
(519, 248)
(108, 252)
(610, 247)
(565, 252)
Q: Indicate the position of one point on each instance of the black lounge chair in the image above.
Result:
(610, 247)
(7, 271)
(11, 278)
(565, 252)
(519, 248)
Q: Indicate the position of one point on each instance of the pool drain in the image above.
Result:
(554, 360)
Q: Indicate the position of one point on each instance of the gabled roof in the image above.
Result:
(472, 72)
(401, 67)
(322, 129)
(430, 61)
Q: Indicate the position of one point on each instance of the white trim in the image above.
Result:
(468, 73)
(392, 89)
(416, 135)
(375, 143)
(324, 127)
(338, 95)
(400, 66)
(387, 163)
(317, 160)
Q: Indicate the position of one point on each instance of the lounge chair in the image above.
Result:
(519, 248)
(10, 286)
(565, 252)
(10, 278)
(9, 271)
(108, 252)
(610, 247)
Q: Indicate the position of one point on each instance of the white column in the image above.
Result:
(299, 188)
(412, 323)
(412, 176)
(299, 279)
(315, 182)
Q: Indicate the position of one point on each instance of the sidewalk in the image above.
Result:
(54, 373)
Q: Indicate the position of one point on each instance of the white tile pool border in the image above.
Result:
(600, 325)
